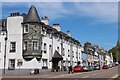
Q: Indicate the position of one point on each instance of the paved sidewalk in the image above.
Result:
(26, 74)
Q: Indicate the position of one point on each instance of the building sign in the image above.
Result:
(19, 62)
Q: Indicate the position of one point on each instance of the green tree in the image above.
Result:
(113, 51)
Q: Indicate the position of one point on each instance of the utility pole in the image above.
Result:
(100, 60)
(5, 51)
(117, 51)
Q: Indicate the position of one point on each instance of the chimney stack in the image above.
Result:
(57, 27)
(15, 14)
(68, 33)
(45, 20)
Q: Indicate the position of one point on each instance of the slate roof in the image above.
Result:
(32, 15)
(60, 34)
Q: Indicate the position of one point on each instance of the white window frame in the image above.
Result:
(26, 31)
(35, 45)
(45, 47)
(11, 65)
(25, 45)
(12, 47)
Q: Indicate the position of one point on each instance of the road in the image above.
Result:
(106, 74)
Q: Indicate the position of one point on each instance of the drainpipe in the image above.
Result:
(6, 38)
(77, 53)
(71, 54)
(100, 61)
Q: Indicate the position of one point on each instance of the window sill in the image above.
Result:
(44, 67)
(12, 51)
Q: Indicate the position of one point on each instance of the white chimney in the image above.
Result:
(68, 33)
(57, 27)
(45, 20)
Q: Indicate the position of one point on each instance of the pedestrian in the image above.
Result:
(58, 68)
(70, 69)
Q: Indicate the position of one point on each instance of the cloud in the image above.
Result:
(106, 12)
(59, 0)
(54, 10)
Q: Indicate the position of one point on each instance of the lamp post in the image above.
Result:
(6, 38)
(62, 52)
(117, 51)
(52, 51)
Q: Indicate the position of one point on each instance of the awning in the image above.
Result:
(57, 56)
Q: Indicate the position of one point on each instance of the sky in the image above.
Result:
(96, 22)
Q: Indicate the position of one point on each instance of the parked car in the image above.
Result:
(96, 68)
(105, 67)
(116, 63)
(110, 66)
(85, 68)
(90, 68)
(78, 69)
(113, 65)
(34, 71)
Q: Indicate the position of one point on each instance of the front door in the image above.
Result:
(55, 65)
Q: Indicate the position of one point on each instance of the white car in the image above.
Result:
(32, 71)
(116, 63)
(85, 68)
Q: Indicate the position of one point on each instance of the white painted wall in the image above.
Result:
(107, 59)
(14, 28)
(2, 41)
(15, 33)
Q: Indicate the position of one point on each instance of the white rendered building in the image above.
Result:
(32, 43)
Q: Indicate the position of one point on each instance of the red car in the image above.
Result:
(78, 69)
(105, 67)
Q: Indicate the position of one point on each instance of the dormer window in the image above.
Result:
(26, 28)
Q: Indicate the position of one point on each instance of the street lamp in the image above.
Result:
(117, 51)
(62, 52)
(6, 38)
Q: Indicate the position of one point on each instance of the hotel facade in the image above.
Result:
(27, 42)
